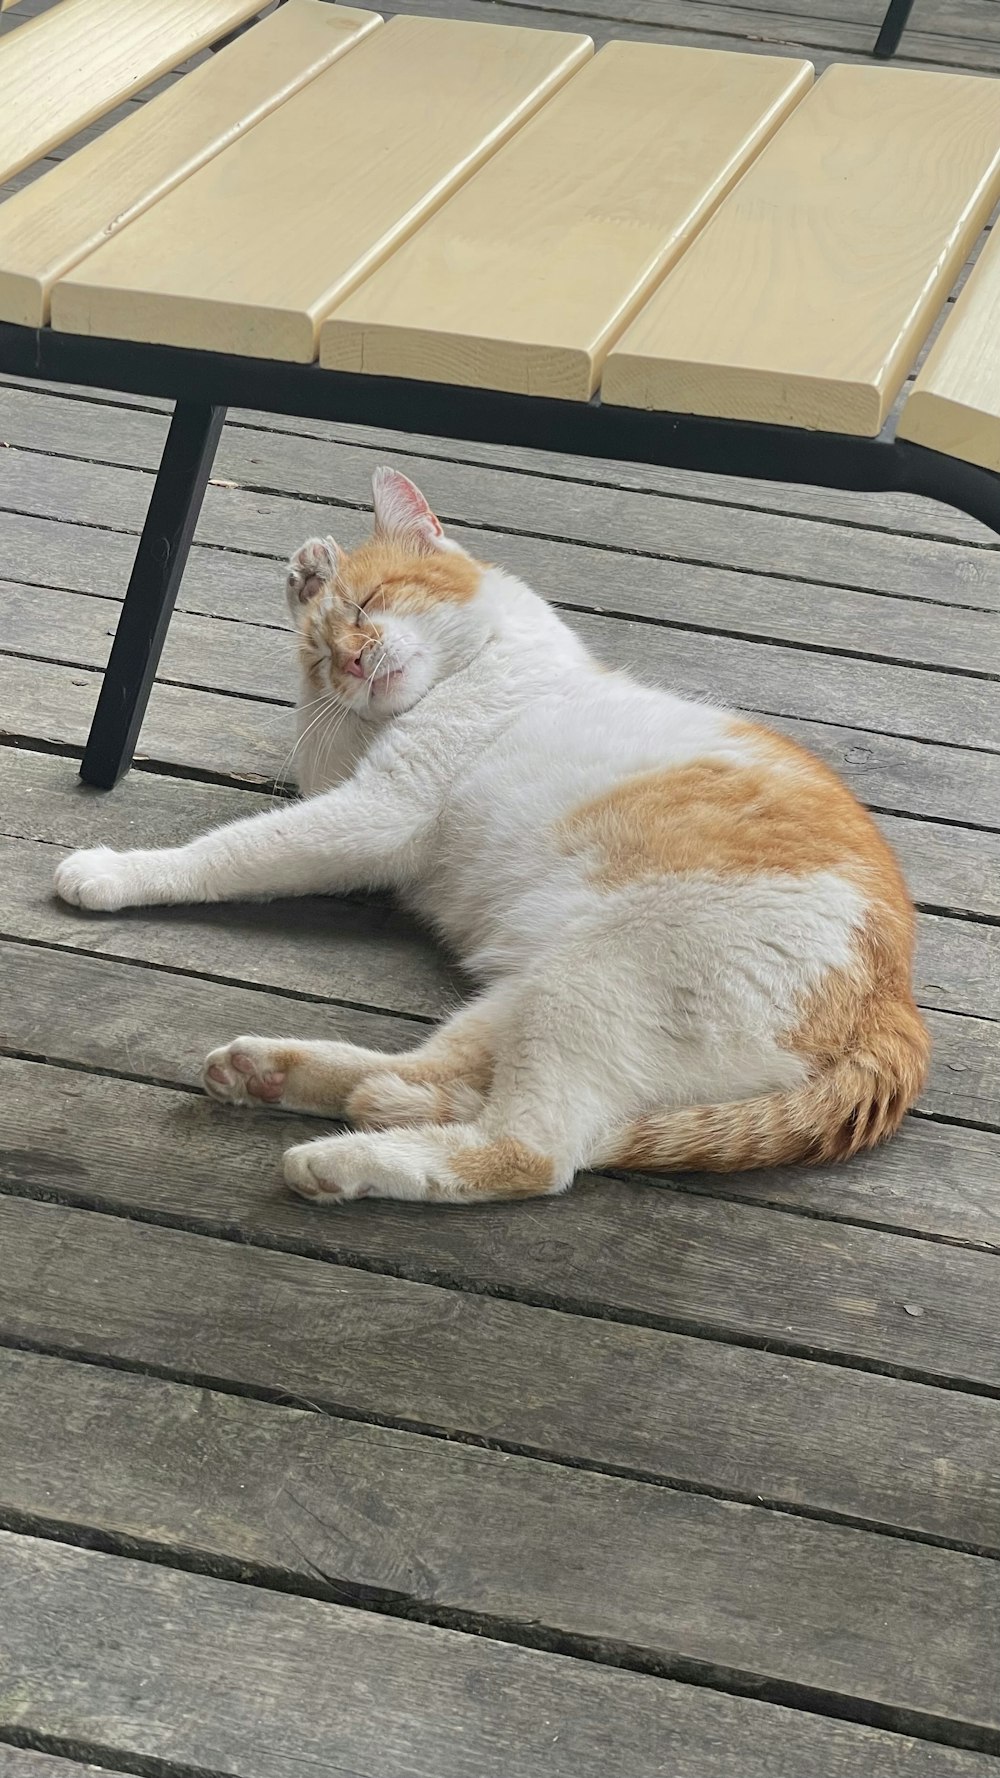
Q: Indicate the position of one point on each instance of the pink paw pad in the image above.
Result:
(260, 1086)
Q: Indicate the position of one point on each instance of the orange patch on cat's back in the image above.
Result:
(731, 819)
(395, 579)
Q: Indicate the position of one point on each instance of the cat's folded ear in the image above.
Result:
(403, 515)
(312, 569)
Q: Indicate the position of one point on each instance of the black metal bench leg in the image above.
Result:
(893, 26)
(156, 575)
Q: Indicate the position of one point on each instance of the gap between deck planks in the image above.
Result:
(754, 1273)
(19, 1762)
(91, 438)
(533, 1712)
(725, 1419)
(891, 512)
(367, 1515)
(788, 1602)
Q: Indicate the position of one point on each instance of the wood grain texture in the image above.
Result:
(806, 298)
(252, 251)
(523, 280)
(18, 1762)
(744, 1271)
(373, 1510)
(247, 742)
(469, 495)
(951, 709)
(955, 404)
(157, 1026)
(365, 952)
(752, 674)
(87, 55)
(192, 1659)
(91, 196)
(84, 1139)
(907, 513)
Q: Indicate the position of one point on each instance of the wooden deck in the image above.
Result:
(664, 1479)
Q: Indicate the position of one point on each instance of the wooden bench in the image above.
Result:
(671, 256)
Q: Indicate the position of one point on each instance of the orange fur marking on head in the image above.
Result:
(398, 579)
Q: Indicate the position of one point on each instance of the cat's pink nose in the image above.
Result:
(353, 667)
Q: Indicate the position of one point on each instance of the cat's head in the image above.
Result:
(380, 625)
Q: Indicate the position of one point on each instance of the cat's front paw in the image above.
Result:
(247, 1070)
(311, 570)
(98, 879)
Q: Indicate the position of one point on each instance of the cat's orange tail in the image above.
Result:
(853, 1105)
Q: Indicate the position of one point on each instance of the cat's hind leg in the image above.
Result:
(287, 1073)
(575, 1059)
(440, 1081)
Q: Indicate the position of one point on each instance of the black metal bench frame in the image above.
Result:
(893, 25)
(203, 385)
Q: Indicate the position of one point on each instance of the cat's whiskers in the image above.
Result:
(340, 718)
(327, 700)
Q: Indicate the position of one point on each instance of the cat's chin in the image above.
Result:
(392, 694)
(397, 695)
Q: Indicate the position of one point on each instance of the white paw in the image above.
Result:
(338, 1168)
(248, 1069)
(311, 569)
(95, 879)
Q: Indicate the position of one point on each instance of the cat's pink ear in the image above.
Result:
(402, 513)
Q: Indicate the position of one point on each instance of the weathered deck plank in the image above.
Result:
(886, 512)
(19, 1762)
(870, 625)
(468, 494)
(374, 1512)
(750, 1274)
(50, 553)
(238, 740)
(446, 1704)
(369, 953)
(84, 1138)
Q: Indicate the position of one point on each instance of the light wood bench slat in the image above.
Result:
(251, 252)
(955, 404)
(62, 70)
(807, 297)
(521, 280)
(48, 227)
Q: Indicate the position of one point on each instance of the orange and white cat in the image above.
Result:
(693, 945)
